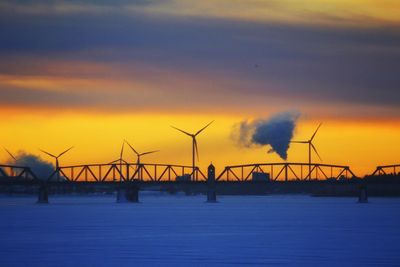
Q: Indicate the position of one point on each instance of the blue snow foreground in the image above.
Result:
(178, 230)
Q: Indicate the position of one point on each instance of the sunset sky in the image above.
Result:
(92, 73)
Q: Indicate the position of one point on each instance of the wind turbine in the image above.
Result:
(56, 158)
(14, 158)
(11, 155)
(120, 160)
(195, 150)
(310, 147)
(139, 155)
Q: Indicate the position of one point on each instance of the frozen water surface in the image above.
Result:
(184, 230)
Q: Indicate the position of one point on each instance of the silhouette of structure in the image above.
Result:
(128, 192)
(11, 155)
(110, 172)
(286, 172)
(162, 176)
(120, 160)
(43, 194)
(57, 166)
(387, 169)
(195, 151)
(139, 155)
(211, 190)
(17, 173)
(169, 173)
(363, 196)
(310, 147)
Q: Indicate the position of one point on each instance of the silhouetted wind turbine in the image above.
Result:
(57, 162)
(14, 158)
(57, 157)
(140, 154)
(120, 159)
(310, 147)
(195, 151)
(138, 157)
(11, 155)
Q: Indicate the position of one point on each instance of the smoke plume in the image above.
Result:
(41, 168)
(276, 132)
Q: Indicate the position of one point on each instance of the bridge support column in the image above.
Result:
(43, 194)
(363, 196)
(211, 192)
(128, 192)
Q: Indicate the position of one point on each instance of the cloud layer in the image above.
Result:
(161, 54)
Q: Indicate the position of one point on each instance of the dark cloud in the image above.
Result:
(277, 132)
(312, 64)
(42, 169)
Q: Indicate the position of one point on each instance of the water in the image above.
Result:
(184, 230)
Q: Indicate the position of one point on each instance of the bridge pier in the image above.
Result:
(43, 194)
(128, 192)
(211, 192)
(363, 196)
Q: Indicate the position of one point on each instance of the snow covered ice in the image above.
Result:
(183, 230)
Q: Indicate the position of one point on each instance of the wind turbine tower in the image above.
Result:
(310, 147)
(120, 160)
(195, 150)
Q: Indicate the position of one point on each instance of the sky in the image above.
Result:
(92, 73)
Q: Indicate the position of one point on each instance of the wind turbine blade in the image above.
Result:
(51, 155)
(150, 152)
(299, 142)
(315, 150)
(65, 151)
(181, 131)
(137, 153)
(9, 153)
(312, 137)
(113, 161)
(122, 150)
(202, 129)
(196, 148)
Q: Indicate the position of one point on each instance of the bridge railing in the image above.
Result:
(126, 172)
(387, 170)
(16, 172)
(285, 172)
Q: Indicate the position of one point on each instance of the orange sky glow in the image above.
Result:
(97, 139)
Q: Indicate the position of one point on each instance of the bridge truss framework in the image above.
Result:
(287, 171)
(126, 172)
(387, 170)
(123, 172)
